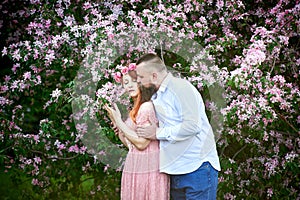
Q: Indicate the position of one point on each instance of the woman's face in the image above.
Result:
(130, 85)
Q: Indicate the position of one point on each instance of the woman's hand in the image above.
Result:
(115, 128)
(113, 114)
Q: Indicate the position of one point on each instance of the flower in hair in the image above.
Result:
(124, 70)
(131, 66)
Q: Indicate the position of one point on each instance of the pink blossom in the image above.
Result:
(47, 23)
(3, 88)
(74, 148)
(56, 93)
(15, 85)
(87, 5)
(253, 94)
(40, 32)
(16, 55)
(131, 66)
(270, 192)
(35, 181)
(124, 70)
(284, 39)
(106, 167)
(229, 196)
(38, 80)
(7, 78)
(291, 156)
(94, 12)
(255, 57)
(280, 17)
(220, 4)
(36, 138)
(69, 21)
(15, 66)
(266, 136)
(110, 35)
(28, 162)
(118, 77)
(83, 149)
(37, 160)
(50, 56)
(27, 75)
(82, 128)
(36, 54)
(4, 51)
(279, 78)
(61, 147)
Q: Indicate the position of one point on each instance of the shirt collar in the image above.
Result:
(165, 82)
(163, 85)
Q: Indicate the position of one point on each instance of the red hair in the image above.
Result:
(143, 95)
(137, 100)
(136, 106)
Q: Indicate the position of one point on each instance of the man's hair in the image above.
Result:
(153, 60)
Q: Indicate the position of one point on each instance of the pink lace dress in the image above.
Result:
(141, 179)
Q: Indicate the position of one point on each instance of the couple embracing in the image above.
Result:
(172, 151)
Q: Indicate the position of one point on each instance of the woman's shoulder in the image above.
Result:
(148, 105)
(130, 123)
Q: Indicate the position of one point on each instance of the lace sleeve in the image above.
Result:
(130, 123)
(146, 114)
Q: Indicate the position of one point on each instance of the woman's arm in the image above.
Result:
(119, 134)
(139, 142)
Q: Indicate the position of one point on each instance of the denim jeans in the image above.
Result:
(198, 185)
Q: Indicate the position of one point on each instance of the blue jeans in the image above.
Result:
(198, 185)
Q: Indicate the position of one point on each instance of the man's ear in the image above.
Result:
(154, 76)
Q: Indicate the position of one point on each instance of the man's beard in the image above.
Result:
(147, 91)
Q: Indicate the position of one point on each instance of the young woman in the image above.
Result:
(141, 179)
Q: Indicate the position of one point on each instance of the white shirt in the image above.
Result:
(186, 137)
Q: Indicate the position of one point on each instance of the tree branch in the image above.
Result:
(239, 151)
(288, 123)
(53, 157)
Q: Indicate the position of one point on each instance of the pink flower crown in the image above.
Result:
(124, 70)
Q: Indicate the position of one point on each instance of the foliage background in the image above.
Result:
(254, 45)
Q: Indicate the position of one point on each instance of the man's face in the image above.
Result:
(144, 76)
(148, 91)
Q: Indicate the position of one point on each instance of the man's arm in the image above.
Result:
(189, 107)
(148, 131)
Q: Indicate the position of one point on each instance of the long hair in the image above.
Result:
(143, 95)
(137, 102)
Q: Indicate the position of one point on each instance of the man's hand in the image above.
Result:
(147, 131)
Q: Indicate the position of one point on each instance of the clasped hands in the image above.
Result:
(145, 131)
(114, 115)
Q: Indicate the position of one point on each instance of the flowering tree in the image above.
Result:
(62, 57)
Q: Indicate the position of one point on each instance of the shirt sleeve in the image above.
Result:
(189, 108)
